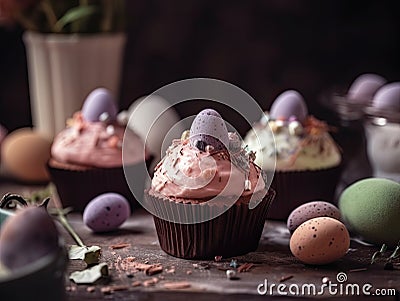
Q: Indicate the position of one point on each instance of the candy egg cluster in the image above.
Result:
(318, 235)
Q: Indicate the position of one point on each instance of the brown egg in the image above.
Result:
(320, 240)
(25, 153)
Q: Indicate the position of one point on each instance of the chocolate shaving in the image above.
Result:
(245, 267)
(357, 270)
(153, 270)
(177, 285)
(136, 283)
(150, 282)
(114, 288)
(90, 289)
(285, 278)
(119, 246)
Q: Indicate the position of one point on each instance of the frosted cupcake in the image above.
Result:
(307, 161)
(208, 196)
(86, 157)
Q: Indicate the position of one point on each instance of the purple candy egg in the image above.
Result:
(208, 128)
(98, 102)
(106, 212)
(364, 87)
(311, 210)
(388, 97)
(289, 103)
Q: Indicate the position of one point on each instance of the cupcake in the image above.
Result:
(86, 157)
(207, 195)
(382, 127)
(306, 159)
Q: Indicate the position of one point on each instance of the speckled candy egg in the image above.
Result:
(106, 212)
(100, 105)
(208, 128)
(371, 208)
(311, 210)
(288, 105)
(320, 240)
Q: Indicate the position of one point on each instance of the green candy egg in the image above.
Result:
(371, 208)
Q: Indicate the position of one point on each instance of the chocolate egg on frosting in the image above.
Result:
(388, 97)
(289, 104)
(208, 128)
(100, 105)
(364, 87)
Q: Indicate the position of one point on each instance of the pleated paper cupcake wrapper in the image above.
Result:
(76, 188)
(235, 232)
(294, 188)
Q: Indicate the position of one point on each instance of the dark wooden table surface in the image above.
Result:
(207, 280)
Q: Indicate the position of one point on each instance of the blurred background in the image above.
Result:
(263, 47)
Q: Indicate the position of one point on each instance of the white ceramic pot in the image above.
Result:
(65, 68)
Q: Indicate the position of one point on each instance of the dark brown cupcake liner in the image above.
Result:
(235, 232)
(76, 188)
(294, 188)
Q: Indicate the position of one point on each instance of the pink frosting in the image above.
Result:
(96, 144)
(186, 172)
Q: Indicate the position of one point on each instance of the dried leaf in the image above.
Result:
(90, 275)
(90, 255)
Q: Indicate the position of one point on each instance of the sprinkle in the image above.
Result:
(230, 274)
(104, 117)
(247, 185)
(233, 264)
(218, 258)
(110, 130)
(185, 135)
(189, 272)
(113, 141)
(209, 148)
(295, 128)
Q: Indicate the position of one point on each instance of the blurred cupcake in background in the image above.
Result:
(308, 161)
(382, 127)
(86, 157)
(155, 121)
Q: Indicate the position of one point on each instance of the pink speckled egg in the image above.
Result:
(106, 212)
(320, 240)
(311, 210)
